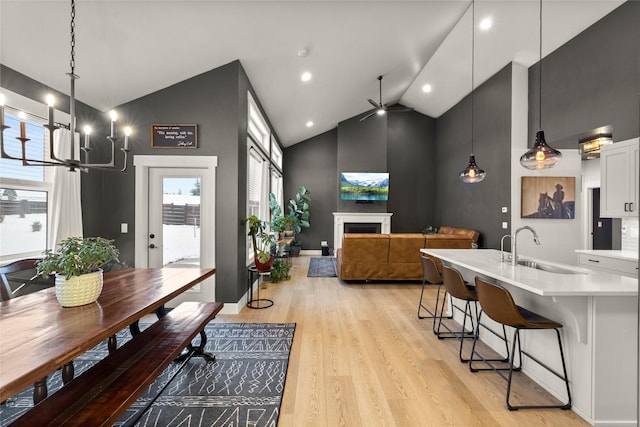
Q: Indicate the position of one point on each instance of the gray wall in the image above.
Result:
(362, 147)
(313, 163)
(476, 206)
(411, 161)
(399, 143)
(591, 81)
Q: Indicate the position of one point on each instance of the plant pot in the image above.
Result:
(294, 250)
(266, 266)
(288, 233)
(78, 290)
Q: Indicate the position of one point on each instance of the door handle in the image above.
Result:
(626, 207)
(152, 246)
(630, 206)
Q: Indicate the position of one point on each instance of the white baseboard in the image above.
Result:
(310, 252)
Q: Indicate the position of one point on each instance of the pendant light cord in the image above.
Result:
(540, 73)
(473, 42)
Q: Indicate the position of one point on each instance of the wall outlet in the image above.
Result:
(505, 225)
(124, 228)
(505, 209)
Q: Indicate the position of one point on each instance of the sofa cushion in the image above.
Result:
(366, 247)
(469, 234)
(405, 248)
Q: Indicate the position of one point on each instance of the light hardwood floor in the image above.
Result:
(361, 357)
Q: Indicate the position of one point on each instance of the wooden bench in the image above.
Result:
(104, 392)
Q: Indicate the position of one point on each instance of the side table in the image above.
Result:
(256, 302)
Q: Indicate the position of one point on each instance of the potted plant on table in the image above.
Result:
(77, 264)
(262, 240)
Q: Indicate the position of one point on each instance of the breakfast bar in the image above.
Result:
(599, 311)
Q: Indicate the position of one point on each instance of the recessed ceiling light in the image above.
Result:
(309, 123)
(486, 23)
(306, 76)
(427, 88)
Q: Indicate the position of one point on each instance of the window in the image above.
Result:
(276, 153)
(257, 126)
(257, 192)
(24, 191)
(264, 168)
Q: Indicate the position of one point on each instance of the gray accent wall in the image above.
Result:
(313, 163)
(362, 147)
(410, 160)
(591, 81)
(476, 206)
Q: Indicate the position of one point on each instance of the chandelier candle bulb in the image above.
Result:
(23, 130)
(87, 140)
(50, 102)
(127, 132)
(114, 117)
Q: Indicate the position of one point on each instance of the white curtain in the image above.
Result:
(65, 204)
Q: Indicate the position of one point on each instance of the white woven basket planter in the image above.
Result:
(78, 290)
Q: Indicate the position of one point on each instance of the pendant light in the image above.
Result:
(540, 156)
(472, 173)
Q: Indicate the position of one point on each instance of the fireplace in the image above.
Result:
(362, 227)
(359, 222)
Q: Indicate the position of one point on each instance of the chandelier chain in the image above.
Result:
(72, 63)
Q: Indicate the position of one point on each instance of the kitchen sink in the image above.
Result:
(547, 267)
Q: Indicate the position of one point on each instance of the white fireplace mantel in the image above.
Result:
(339, 218)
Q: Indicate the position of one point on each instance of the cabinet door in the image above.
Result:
(614, 169)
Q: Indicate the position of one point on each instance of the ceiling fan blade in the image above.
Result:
(374, 103)
(368, 115)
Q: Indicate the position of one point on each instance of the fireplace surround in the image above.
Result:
(361, 219)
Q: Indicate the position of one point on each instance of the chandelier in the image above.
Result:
(73, 162)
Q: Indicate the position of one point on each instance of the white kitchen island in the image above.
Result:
(599, 312)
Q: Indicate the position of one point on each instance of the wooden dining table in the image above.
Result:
(38, 335)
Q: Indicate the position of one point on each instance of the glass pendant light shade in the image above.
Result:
(472, 173)
(540, 156)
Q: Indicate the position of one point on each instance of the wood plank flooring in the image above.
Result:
(361, 357)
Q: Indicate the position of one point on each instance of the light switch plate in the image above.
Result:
(124, 227)
(505, 209)
(505, 225)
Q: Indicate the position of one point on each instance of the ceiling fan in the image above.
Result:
(381, 108)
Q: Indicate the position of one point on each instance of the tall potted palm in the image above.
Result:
(77, 264)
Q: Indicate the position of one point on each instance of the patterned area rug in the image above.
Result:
(243, 387)
(322, 267)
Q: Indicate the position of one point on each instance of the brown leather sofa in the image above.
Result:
(365, 256)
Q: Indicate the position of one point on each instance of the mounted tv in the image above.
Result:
(359, 186)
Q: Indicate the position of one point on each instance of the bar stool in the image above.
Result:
(498, 304)
(430, 276)
(456, 287)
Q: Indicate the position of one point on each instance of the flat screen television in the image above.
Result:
(364, 186)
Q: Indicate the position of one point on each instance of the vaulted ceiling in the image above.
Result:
(126, 49)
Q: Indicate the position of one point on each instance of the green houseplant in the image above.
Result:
(77, 264)
(262, 240)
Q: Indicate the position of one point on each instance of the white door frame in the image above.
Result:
(142, 164)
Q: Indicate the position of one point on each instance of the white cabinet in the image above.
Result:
(619, 166)
(608, 264)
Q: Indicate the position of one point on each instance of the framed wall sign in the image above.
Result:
(174, 136)
(548, 197)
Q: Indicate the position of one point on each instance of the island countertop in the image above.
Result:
(585, 282)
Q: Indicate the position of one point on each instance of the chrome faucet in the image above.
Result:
(514, 243)
(502, 247)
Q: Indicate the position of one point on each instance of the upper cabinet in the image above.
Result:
(619, 166)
